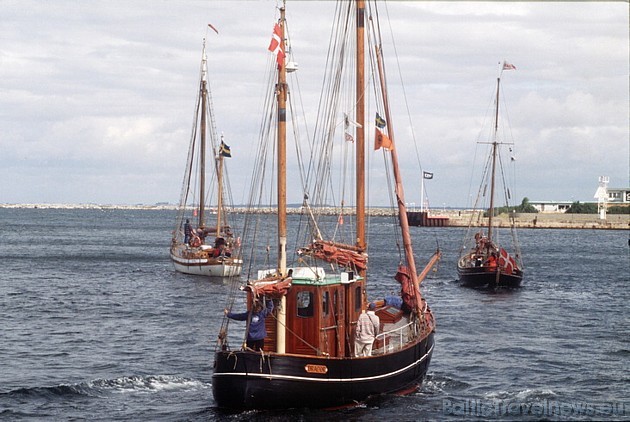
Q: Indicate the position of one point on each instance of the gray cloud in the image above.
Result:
(97, 97)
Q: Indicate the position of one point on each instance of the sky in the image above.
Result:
(97, 97)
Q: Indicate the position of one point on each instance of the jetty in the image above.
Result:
(446, 217)
(462, 218)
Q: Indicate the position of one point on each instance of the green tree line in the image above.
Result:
(524, 207)
(576, 207)
(591, 208)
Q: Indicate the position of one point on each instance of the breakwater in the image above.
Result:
(545, 221)
(456, 217)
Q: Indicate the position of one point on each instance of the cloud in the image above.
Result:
(98, 97)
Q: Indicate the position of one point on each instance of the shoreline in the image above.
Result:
(456, 218)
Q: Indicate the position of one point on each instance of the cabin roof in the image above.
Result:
(330, 279)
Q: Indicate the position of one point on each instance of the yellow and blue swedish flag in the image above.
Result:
(380, 122)
(224, 150)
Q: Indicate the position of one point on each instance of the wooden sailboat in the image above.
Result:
(309, 357)
(484, 260)
(197, 248)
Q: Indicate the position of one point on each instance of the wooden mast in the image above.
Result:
(400, 194)
(202, 151)
(220, 190)
(281, 93)
(494, 161)
(360, 130)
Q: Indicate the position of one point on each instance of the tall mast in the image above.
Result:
(202, 151)
(220, 191)
(281, 91)
(400, 194)
(360, 130)
(494, 161)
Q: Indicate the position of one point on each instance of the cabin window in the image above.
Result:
(326, 303)
(305, 304)
(357, 299)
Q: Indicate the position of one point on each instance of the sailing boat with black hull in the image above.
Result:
(197, 248)
(484, 260)
(313, 353)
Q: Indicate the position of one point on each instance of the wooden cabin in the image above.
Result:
(324, 310)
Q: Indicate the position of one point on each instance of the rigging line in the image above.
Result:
(314, 164)
(327, 110)
(294, 77)
(508, 135)
(477, 206)
(210, 113)
(411, 125)
(374, 40)
(484, 125)
(413, 136)
(256, 191)
(342, 181)
(515, 243)
(189, 161)
(506, 192)
(251, 218)
(328, 107)
(404, 92)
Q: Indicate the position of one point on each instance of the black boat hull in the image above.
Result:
(480, 277)
(247, 380)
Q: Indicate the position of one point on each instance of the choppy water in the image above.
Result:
(97, 325)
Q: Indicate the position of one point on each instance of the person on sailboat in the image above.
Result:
(220, 248)
(482, 243)
(368, 327)
(187, 231)
(257, 332)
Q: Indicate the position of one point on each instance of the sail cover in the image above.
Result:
(407, 288)
(339, 254)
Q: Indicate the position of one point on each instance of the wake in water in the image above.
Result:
(103, 387)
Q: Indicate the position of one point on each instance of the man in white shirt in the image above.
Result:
(368, 327)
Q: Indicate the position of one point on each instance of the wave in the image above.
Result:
(435, 384)
(523, 395)
(101, 387)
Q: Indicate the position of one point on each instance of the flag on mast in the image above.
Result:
(275, 45)
(224, 150)
(213, 28)
(427, 175)
(382, 140)
(508, 66)
(380, 122)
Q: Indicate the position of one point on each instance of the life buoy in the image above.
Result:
(195, 242)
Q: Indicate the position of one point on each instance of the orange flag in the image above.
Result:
(382, 140)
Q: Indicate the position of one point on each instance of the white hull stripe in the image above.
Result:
(184, 261)
(326, 380)
(190, 261)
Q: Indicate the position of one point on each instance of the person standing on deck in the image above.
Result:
(368, 327)
(187, 231)
(257, 332)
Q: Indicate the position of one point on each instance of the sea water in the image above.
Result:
(96, 325)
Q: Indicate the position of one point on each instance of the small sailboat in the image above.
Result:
(196, 247)
(485, 259)
(312, 306)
